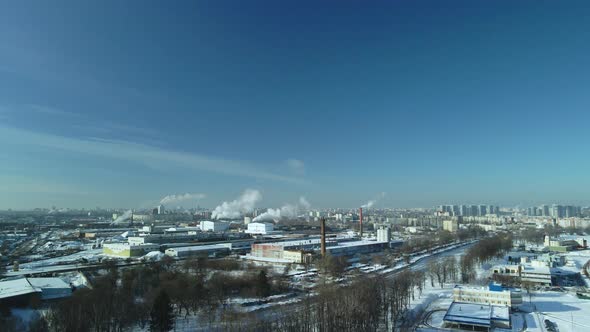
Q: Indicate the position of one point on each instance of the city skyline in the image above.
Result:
(124, 104)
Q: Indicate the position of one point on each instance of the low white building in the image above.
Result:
(128, 249)
(493, 294)
(214, 226)
(259, 228)
(526, 272)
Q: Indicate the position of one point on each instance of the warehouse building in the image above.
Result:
(214, 226)
(128, 250)
(51, 288)
(211, 250)
(295, 250)
(259, 228)
(20, 292)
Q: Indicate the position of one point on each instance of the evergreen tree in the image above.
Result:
(162, 316)
(262, 284)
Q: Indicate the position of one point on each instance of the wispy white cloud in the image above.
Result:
(150, 156)
(42, 109)
(296, 165)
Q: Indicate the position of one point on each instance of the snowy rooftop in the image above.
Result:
(48, 283)
(201, 248)
(476, 314)
(354, 244)
(268, 259)
(16, 287)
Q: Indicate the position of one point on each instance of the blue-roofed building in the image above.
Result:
(494, 294)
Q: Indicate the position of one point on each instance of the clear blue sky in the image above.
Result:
(119, 103)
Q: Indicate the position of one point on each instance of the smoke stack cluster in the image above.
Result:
(361, 221)
(323, 234)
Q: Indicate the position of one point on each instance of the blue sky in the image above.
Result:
(120, 103)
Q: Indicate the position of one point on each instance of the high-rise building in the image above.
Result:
(545, 210)
(482, 211)
(474, 210)
(464, 210)
(384, 234)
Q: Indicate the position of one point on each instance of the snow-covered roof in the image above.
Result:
(355, 244)
(17, 287)
(476, 314)
(45, 283)
(200, 248)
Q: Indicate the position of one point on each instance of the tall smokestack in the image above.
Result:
(361, 222)
(323, 233)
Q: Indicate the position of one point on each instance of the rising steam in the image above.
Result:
(235, 209)
(181, 198)
(125, 216)
(287, 211)
(372, 202)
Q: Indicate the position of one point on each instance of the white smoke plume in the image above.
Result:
(181, 198)
(235, 209)
(304, 203)
(287, 211)
(373, 201)
(125, 216)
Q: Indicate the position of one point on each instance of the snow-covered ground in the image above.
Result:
(90, 255)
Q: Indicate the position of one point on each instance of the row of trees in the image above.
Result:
(372, 304)
(153, 295)
(482, 252)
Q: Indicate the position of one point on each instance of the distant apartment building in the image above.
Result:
(467, 210)
(384, 234)
(451, 225)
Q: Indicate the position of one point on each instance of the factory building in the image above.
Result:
(211, 250)
(20, 292)
(285, 251)
(128, 249)
(51, 288)
(214, 226)
(260, 228)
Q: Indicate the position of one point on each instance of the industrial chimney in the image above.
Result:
(361, 222)
(323, 234)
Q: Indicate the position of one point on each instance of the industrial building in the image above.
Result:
(51, 288)
(286, 250)
(214, 226)
(471, 316)
(259, 228)
(211, 250)
(564, 244)
(537, 275)
(20, 292)
(128, 249)
(493, 294)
